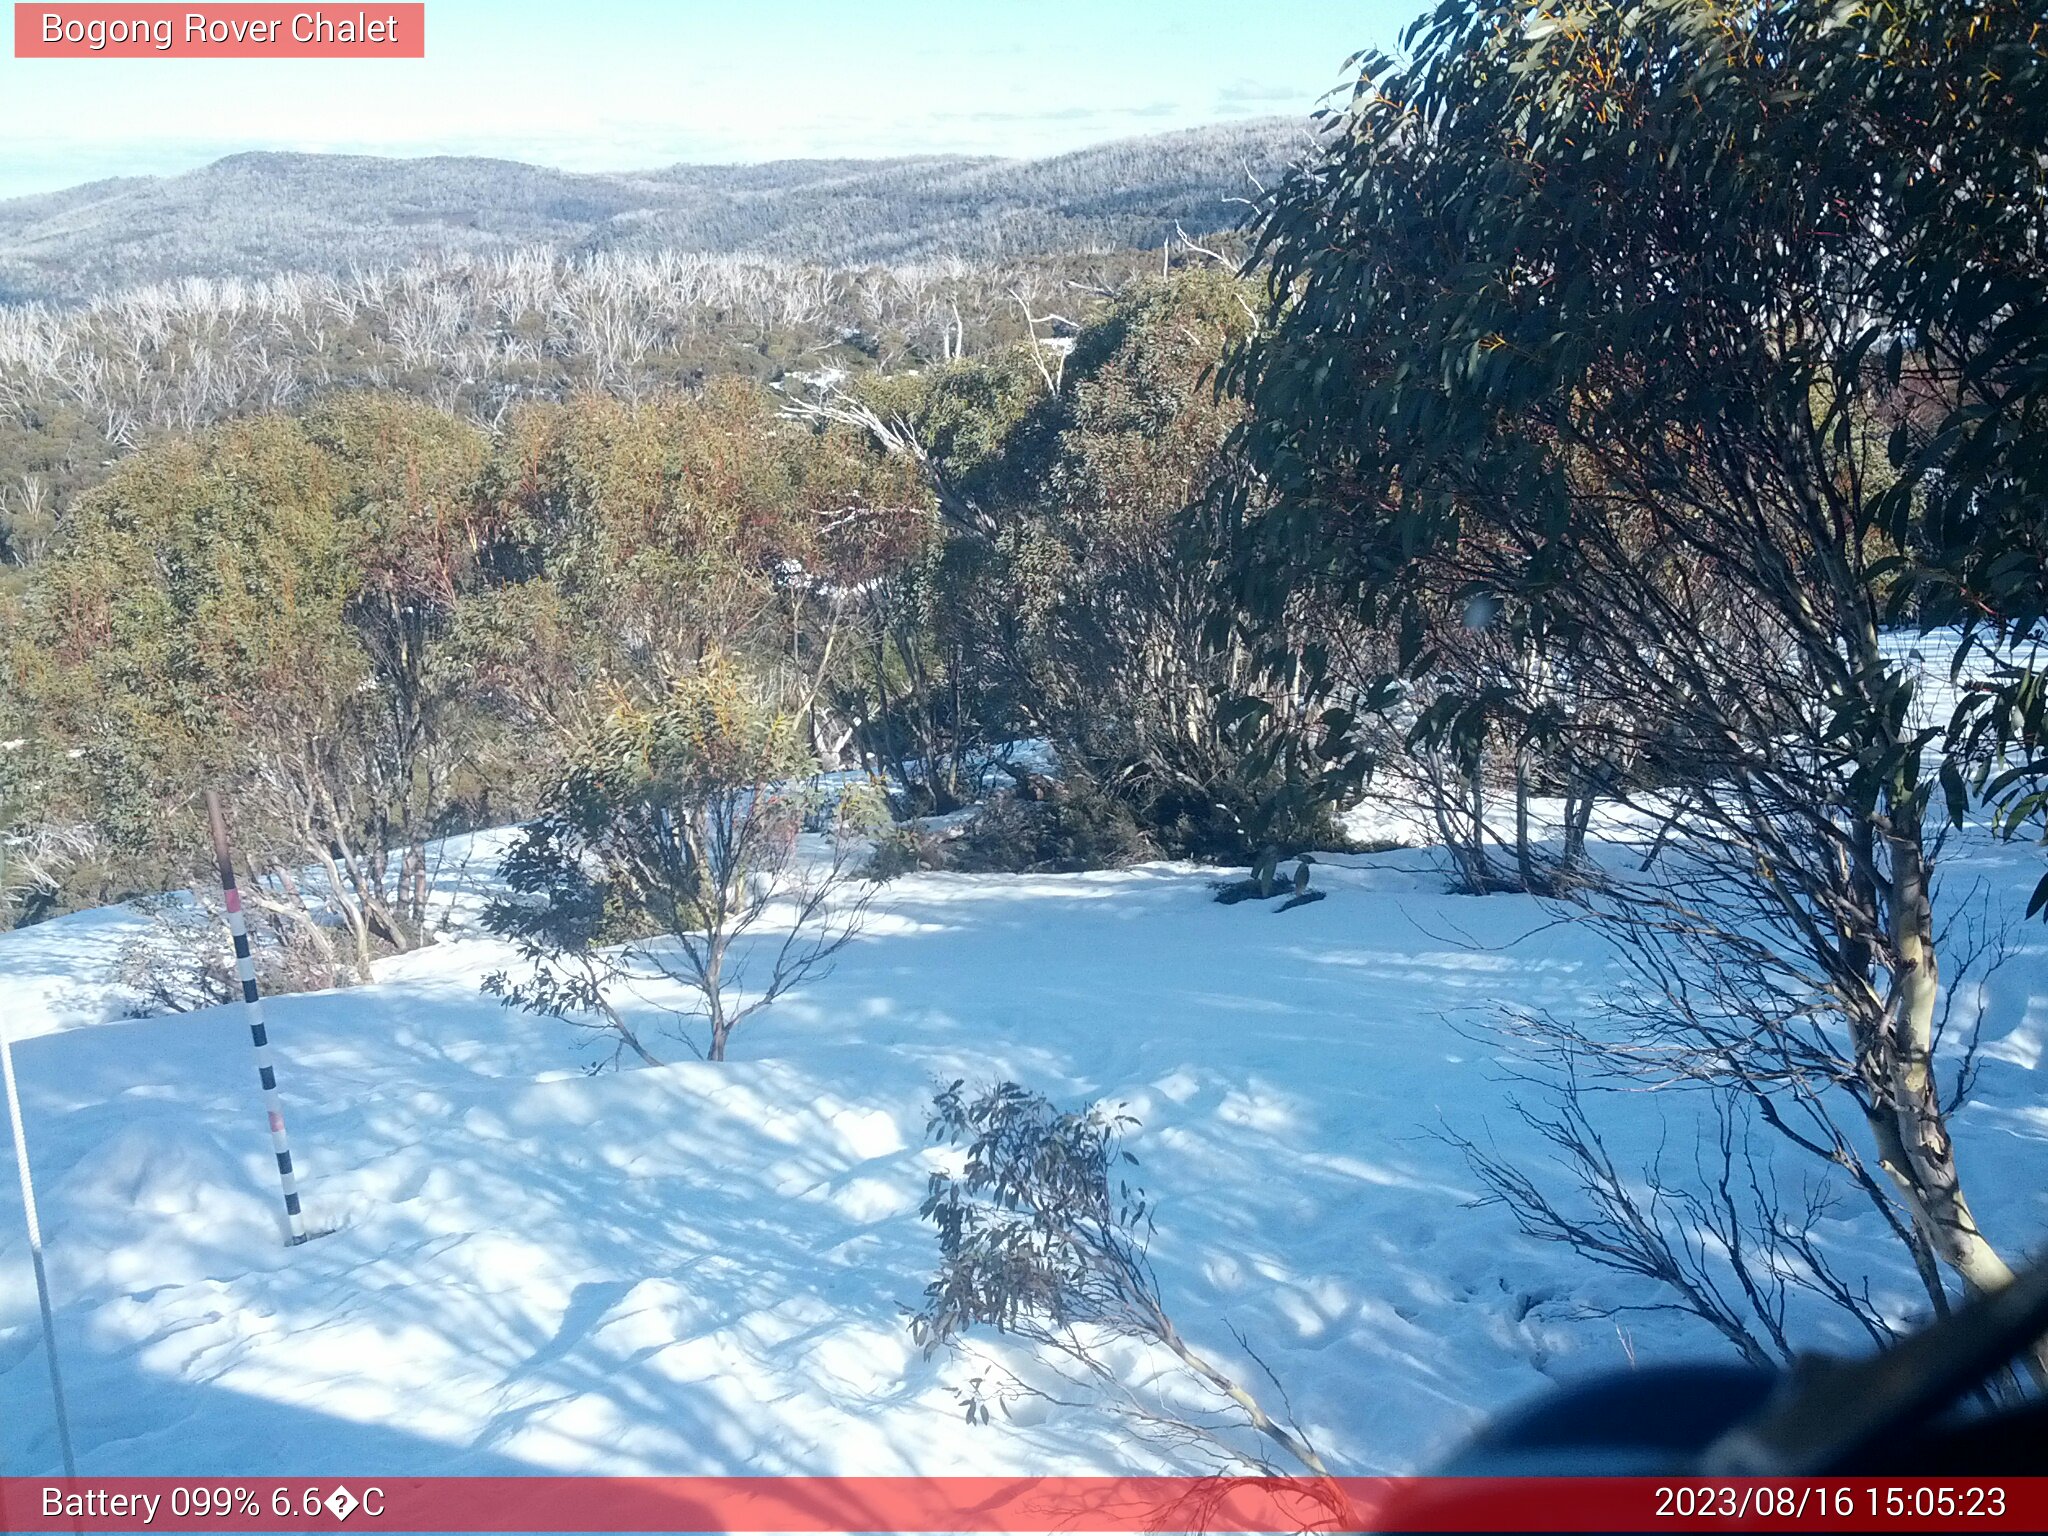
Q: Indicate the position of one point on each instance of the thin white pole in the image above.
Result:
(35, 1241)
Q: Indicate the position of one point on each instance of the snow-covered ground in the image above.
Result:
(705, 1268)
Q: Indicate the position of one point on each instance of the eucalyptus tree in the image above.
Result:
(262, 609)
(1589, 322)
(669, 865)
(1070, 590)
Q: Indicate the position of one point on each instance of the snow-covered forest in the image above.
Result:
(1232, 856)
(253, 215)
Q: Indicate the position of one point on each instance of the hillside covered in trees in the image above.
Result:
(477, 335)
(252, 215)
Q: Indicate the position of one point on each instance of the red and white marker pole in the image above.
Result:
(252, 1010)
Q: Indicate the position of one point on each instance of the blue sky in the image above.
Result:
(634, 83)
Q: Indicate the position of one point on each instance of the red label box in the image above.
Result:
(232, 31)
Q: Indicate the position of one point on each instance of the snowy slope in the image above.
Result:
(703, 1268)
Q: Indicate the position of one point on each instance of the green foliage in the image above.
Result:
(264, 609)
(962, 416)
(673, 833)
(1042, 1236)
(1076, 596)
(1580, 337)
(665, 799)
(428, 612)
(194, 600)
(1578, 301)
(1041, 1228)
(374, 625)
(1109, 588)
(1953, 107)
(644, 536)
(903, 848)
(50, 450)
(79, 387)
(1064, 825)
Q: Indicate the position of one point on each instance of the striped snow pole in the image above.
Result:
(252, 1009)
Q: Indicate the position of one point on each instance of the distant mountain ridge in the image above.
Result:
(257, 213)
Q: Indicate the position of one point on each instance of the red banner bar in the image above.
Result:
(995, 1504)
(230, 31)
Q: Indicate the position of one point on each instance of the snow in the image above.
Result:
(704, 1269)
(54, 971)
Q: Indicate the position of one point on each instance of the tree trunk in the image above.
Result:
(415, 878)
(713, 980)
(1578, 818)
(1525, 858)
(358, 924)
(1482, 866)
(1913, 1137)
(625, 1033)
(295, 909)
(1914, 1094)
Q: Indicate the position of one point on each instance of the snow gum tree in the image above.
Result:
(1072, 592)
(668, 857)
(263, 609)
(642, 538)
(1581, 321)
(416, 536)
(187, 631)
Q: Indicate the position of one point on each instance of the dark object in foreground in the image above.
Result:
(1917, 1408)
(1248, 890)
(1230, 893)
(1263, 884)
